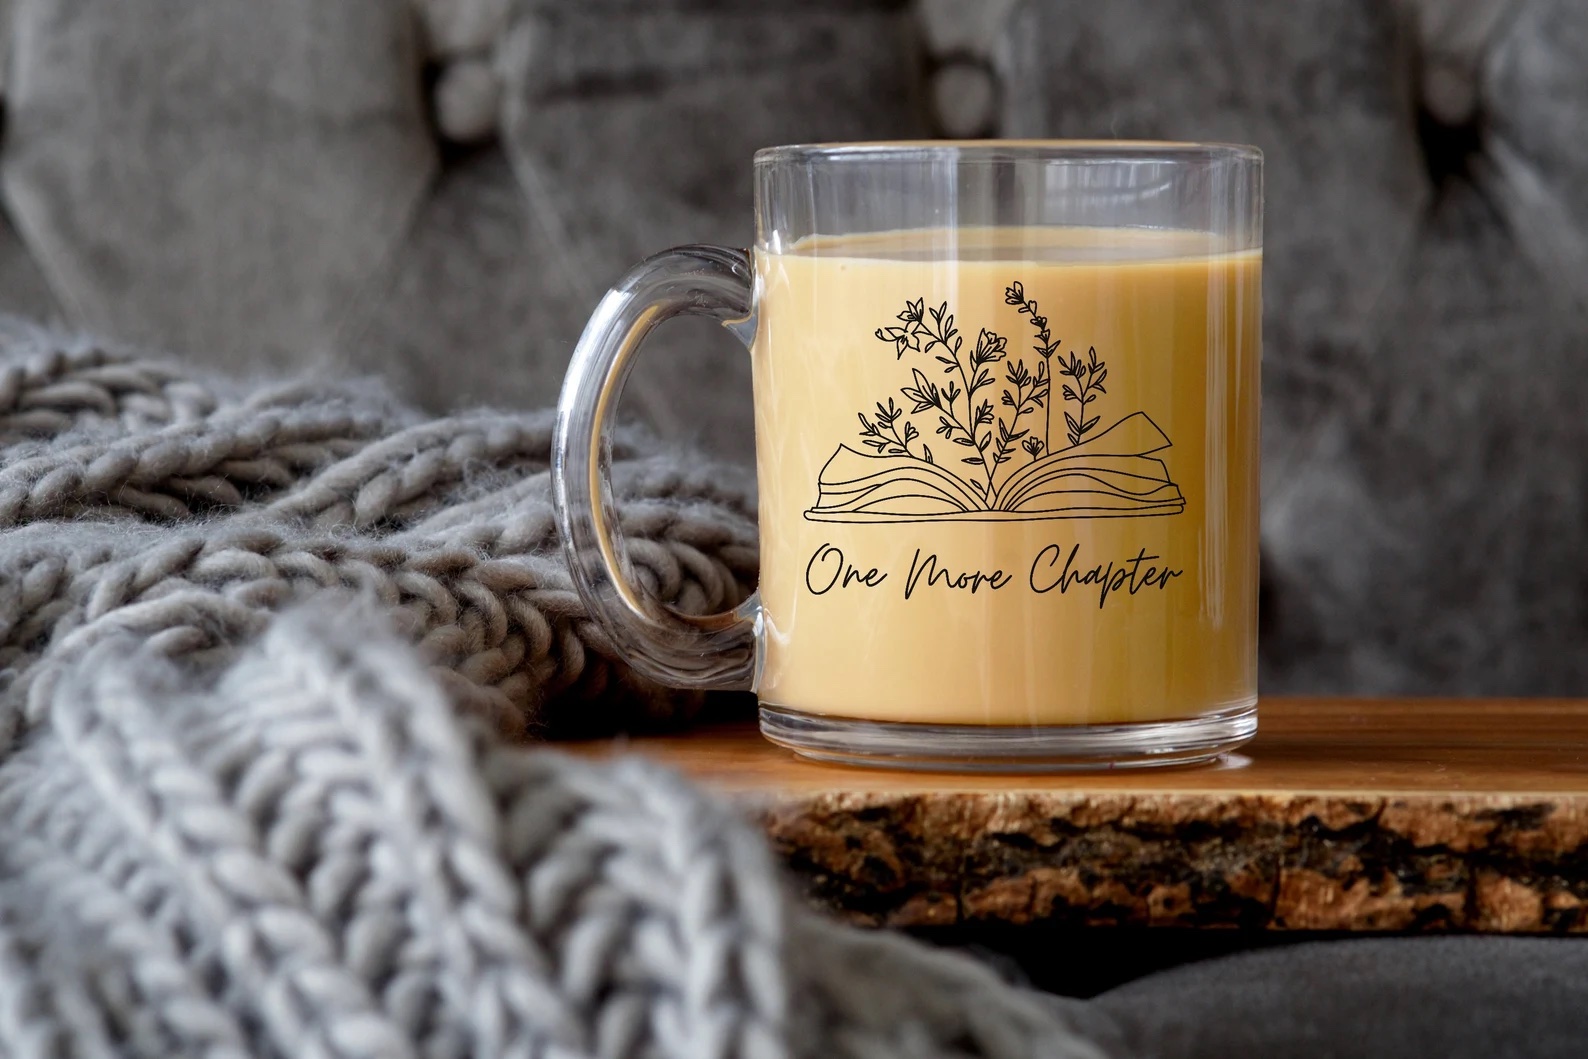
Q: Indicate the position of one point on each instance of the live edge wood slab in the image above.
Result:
(1343, 814)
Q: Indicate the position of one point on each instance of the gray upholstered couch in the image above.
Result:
(437, 191)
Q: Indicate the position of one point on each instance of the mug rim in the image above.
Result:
(1009, 151)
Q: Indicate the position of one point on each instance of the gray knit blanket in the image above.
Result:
(272, 658)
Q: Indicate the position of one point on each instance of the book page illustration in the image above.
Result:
(994, 462)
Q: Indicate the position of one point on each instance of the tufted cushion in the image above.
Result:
(224, 177)
(463, 284)
(1424, 452)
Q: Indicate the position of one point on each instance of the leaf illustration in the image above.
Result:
(928, 454)
(926, 387)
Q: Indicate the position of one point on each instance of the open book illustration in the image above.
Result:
(995, 463)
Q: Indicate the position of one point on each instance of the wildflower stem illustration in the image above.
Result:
(931, 331)
(884, 435)
(1044, 346)
(1088, 376)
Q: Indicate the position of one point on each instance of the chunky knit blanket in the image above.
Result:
(270, 658)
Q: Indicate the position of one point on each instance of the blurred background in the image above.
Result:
(437, 191)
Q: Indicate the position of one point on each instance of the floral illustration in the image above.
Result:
(991, 415)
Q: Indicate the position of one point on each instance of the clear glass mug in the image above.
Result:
(1006, 407)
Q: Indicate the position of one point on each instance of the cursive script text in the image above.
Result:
(1129, 575)
(969, 581)
(828, 569)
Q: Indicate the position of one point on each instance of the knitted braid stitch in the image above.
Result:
(310, 854)
(255, 799)
(136, 497)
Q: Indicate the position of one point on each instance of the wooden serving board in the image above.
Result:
(1343, 814)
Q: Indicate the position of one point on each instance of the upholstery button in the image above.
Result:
(964, 97)
(1450, 90)
(468, 96)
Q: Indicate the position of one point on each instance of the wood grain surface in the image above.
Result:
(1343, 814)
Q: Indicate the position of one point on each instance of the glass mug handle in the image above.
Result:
(711, 651)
